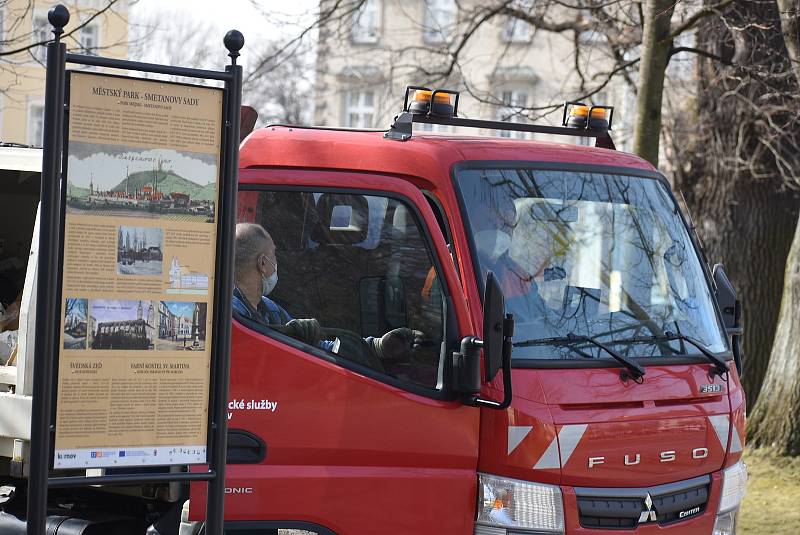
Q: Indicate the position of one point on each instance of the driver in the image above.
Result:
(255, 276)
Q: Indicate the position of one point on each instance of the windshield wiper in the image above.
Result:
(720, 366)
(636, 371)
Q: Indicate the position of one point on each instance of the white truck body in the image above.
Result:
(16, 381)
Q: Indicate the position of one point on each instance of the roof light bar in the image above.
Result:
(424, 96)
(583, 116)
(583, 121)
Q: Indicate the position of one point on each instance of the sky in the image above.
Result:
(256, 19)
(106, 310)
(180, 308)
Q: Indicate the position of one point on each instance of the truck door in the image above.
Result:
(350, 429)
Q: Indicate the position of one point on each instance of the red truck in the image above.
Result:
(602, 396)
(522, 337)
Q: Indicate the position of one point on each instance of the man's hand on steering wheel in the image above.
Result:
(397, 344)
(305, 330)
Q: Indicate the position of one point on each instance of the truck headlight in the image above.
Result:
(734, 485)
(725, 524)
(511, 503)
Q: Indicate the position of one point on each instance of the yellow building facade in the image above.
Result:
(97, 27)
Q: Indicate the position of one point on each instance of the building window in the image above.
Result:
(440, 18)
(359, 108)
(35, 124)
(366, 22)
(514, 29)
(513, 102)
(41, 33)
(90, 39)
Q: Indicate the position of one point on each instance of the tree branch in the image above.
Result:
(699, 52)
(324, 16)
(64, 36)
(539, 21)
(689, 23)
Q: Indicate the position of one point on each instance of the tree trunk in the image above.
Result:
(748, 227)
(790, 24)
(775, 420)
(737, 173)
(652, 69)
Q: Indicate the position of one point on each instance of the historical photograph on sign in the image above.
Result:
(115, 180)
(122, 324)
(140, 250)
(185, 280)
(76, 324)
(181, 326)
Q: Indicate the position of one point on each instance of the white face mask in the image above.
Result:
(268, 283)
(492, 243)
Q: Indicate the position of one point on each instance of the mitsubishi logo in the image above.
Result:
(648, 515)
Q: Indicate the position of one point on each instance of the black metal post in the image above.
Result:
(47, 300)
(215, 502)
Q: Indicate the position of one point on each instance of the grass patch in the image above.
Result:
(773, 492)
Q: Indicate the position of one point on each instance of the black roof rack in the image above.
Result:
(401, 129)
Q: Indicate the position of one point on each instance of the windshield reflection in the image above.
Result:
(597, 255)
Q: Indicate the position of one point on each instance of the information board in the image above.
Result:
(143, 162)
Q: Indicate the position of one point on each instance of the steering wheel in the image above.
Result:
(420, 356)
(354, 347)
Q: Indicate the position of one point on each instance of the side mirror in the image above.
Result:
(494, 306)
(731, 308)
(498, 330)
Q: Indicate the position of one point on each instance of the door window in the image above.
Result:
(355, 279)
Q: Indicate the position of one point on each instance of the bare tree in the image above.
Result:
(172, 38)
(282, 89)
(277, 78)
(775, 420)
(740, 167)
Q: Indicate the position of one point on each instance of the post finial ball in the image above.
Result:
(58, 16)
(234, 41)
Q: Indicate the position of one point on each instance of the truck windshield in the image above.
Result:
(582, 254)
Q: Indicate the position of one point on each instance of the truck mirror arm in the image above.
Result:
(466, 366)
(730, 307)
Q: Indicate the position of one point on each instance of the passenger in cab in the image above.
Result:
(493, 232)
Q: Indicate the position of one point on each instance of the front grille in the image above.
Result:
(610, 508)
